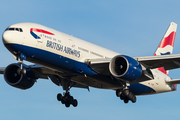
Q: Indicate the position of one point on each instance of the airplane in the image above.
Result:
(71, 62)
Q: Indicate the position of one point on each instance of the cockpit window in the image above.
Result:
(20, 30)
(11, 28)
(14, 29)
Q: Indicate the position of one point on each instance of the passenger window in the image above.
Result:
(20, 30)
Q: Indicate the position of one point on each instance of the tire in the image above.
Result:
(67, 104)
(122, 97)
(126, 101)
(126, 92)
(63, 101)
(118, 93)
(71, 99)
(130, 96)
(59, 97)
(133, 99)
(75, 103)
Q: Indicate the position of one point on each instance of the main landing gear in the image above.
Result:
(126, 95)
(67, 99)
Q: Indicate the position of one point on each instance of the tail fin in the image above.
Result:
(167, 43)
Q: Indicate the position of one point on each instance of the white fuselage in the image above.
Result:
(61, 46)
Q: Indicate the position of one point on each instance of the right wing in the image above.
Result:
(45, 73)
(169, 62)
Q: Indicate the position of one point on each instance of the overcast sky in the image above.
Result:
(131, 27)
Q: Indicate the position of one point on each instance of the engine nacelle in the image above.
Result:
(15, 78)
(125, 67)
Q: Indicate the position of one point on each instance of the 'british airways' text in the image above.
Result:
(62, 48)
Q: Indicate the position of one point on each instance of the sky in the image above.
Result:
(130, 27)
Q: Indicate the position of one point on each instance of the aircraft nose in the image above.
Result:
(7, 37)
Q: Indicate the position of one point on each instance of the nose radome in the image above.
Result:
(7, 37)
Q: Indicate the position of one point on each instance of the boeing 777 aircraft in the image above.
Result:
(71, 62)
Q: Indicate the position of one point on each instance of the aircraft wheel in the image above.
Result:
(126, 92)
(71, 99)
(134, 99)
(118, 93)
(67, 104)
(63, 101)
(59, 97)
(126, 100)
(122, 97)
(130, 95)
(75, 103)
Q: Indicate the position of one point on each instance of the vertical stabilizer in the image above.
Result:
(167, 43)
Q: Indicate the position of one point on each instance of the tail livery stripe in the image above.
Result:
(169, 40)
(163, 70)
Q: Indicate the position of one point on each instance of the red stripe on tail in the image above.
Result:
(169, 40)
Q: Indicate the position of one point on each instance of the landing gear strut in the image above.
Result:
(21, 70)
(20, 57)
(126, 95)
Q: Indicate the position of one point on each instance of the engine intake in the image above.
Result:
(125, 67)
(17, 79)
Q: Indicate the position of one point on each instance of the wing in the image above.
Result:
(45, 73)
(101, 66)
(148, 62)
(169, 62)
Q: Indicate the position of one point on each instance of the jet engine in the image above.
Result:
(125, 68)
(19, 78)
